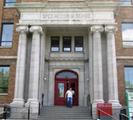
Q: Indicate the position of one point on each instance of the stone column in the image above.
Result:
(20, 69)
(97, 64)
(34, 69)
(112, 67)
(97, 74)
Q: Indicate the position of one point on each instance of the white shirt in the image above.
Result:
(69, 93)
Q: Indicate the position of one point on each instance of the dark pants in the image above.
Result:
(69, 101)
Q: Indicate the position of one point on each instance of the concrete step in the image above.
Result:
(65, 113)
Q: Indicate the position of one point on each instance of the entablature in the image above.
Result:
(66, 12)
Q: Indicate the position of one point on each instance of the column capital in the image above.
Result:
(110, 28)
(22, 29)
(97, 28)
(36, 29)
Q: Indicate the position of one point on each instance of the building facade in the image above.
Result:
(48, 46)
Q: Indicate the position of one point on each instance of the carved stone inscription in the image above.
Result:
(66, 16)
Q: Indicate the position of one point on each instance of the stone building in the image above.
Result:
(48, 46)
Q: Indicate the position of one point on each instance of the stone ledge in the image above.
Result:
(8, 57)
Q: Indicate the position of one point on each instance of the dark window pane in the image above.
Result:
(7, 35)
(129, 77)
(55, 42)
(78, 43)
(4, 78)
(66, 44)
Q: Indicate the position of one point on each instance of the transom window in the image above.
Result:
(67, 44)
(125, 2)
(7, 35)
(9, 2)
(128, 77)
(127, 36)
(66, 74)
(4, 78)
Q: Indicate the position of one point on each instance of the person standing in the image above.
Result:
(69, 95)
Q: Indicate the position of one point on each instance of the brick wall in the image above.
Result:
(124, 14)
(9, 14)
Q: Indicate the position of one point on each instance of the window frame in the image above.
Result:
(1, 37)
(126, 87)
(70, 44)
(7, 87)
(51, 44)
(9, 4)
(126, 42)
(75, 44)
(125, 3)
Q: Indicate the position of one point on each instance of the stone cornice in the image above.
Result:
(66, 59)
(24, 6)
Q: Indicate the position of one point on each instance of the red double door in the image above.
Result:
(61, 86)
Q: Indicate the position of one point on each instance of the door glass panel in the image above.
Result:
(61, 90)
(73, 86)
(67, 86)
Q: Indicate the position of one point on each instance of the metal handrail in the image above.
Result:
(125, 107)
(107, 114)
(124, 115)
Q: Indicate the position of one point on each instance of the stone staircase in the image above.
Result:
(65, 113)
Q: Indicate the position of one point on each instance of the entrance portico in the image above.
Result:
(36, 26)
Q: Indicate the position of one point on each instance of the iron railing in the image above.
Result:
(122, 116)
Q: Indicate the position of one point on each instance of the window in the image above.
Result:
(125, 2)
(55, 41)
(78, 43)
(127, 36)
(7, 35)
(66, 44)
(128, 77)
(10, 2)
(4, 78)
(66, 74)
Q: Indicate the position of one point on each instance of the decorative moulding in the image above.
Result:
(71, 4)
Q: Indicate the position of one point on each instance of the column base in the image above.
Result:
(17, 109)
(33, 105)
(115, 103)
(94, 107)
(116, 106)
(17, 102)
